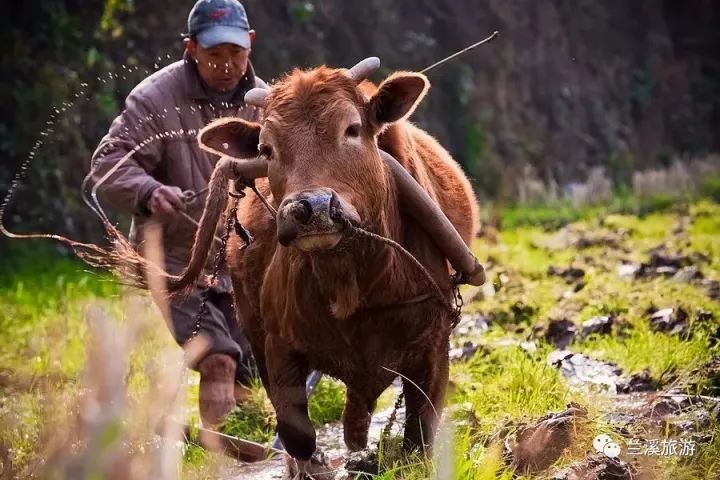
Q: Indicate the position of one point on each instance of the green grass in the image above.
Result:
(643, 348)
(710, 188)
(659, 353)
(507, 384)
(704, 464)
(44, 302)
(253, 420)
(521, 258)
(704, 231)
(326, 403)
(562, 212)
(38, 303)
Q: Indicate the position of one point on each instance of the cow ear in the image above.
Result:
(232, 137)
(397, 97)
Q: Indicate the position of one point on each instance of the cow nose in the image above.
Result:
(319, 203)
(306, 213)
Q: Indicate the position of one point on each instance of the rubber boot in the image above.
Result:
(217, 385)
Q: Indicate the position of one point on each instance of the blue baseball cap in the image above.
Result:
(212, 22)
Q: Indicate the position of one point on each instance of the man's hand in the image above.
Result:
(165, 202)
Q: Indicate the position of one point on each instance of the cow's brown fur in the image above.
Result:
(334, 311)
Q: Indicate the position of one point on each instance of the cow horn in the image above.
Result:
(257, 97)
(428, 214)
(364, 69)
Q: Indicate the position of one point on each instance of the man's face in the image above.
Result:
(221, 66)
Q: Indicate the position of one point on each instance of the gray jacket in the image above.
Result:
(166, 110)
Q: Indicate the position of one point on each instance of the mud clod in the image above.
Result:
(638, 382)
(561, 333)
(597, 467)
(540, 444)
(600, 325)
(672, 321)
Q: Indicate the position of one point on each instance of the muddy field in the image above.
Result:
(592, 352)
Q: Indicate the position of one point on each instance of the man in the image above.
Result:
(210, 82)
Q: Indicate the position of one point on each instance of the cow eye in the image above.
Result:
(265, 151)
(353, 130)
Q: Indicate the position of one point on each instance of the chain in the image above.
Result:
(391, 419)
(232, 224)
(219, 260)
(457, 279)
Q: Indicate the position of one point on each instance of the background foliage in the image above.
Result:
(568, 86)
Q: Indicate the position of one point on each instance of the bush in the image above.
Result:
(710, 188)
(641, 206)
(548, 216)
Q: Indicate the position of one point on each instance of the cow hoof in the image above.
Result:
(315, 468)
(363, 462)
(217, 385)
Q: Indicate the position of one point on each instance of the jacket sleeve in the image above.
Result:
(130, 185)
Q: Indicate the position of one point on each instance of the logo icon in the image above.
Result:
(219, 13)
(604, 444)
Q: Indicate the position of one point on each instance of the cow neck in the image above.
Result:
(400, 273)
(399, 286)
(346, 276)
(340, 280)
(384, 277)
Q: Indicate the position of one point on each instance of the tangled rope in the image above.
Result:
(456, 279)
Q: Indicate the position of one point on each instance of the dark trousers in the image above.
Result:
(218, 323)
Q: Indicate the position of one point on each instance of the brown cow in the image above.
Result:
(311, 297)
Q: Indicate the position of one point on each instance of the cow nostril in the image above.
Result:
(335, 210)
(301, 211)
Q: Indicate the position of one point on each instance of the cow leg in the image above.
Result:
(251, 326)
(356, 419)
(287, 371)
(430, 374)
(258, 353)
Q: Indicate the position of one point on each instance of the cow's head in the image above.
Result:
(318, 137)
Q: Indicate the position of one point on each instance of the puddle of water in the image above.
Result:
(582, 372)
(329, 440)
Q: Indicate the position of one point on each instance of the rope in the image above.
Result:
(354, 230)
(219, 261)
(241, 183)
(270, 208)
(460, 52)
